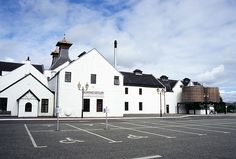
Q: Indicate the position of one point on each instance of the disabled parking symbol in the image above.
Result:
(130, 136)
(69, 140)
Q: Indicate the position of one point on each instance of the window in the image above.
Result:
(126, 90)
(86, 105)
(99, 105)
(140, 91)
(126, 106)
(167, 109)
(93, 78)
(140, 106)
(116, 80)
(3, 104)
(44, 106)
(28, 107)
(67, 76)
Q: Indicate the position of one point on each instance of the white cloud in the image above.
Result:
(8, 59)
(211, 76)
(172, 37)
(228, 96)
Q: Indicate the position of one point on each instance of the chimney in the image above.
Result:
(64, 46)
(55, 55)
(138, 72)
(115, 54)
(27, 65)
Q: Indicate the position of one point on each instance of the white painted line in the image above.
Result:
(185, 126)
(214, 127)
(130, 136)
(89, 132)
(180, 131)
(32, 139)
(145, 132)
(149, 157)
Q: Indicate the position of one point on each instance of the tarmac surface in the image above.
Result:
(189, 137)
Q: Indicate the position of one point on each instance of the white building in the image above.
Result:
(173, 95)
(24, 90)
(140, 93)
(91, 78)
(84, 87)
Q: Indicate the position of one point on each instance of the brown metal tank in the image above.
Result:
(213, 94)
(193, 94)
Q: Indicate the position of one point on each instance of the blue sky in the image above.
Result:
(178, 38)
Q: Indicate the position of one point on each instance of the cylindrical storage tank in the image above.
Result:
(213, 94)
(193, 94)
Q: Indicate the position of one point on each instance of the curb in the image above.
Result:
(115, 118)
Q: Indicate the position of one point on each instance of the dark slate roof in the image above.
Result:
(59, 62)
(196, 84)
(169, 84)
(144, 80)
(10, 66)
(173, 83)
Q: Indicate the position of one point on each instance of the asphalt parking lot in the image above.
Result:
(125, 138)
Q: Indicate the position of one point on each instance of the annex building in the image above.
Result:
(83, 87)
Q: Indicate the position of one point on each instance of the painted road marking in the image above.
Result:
(180, 131)
(210, 126)
(130, 136)
(145, 132)
(32, 139)
(89, 132)
(69, 141)
(149, 157)
(88, 124)
(185, 126)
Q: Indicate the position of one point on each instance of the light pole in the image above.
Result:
(206, 96)
(83, 91)
(160, 91)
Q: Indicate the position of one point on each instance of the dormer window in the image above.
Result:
(138, 72)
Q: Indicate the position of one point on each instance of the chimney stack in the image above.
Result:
(115, 54)
(63, 55)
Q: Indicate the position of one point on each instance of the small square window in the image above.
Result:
(67, 76)
(116, 80)
(140, 91)
(93, 79)
(126, 106)
(126, 90)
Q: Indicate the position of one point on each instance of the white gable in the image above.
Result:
(19, 73)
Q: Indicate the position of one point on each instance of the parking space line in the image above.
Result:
(185, 126)
(180, 131)
(149, 157)
(145, 132)
(32, 139)
(216, 126)
(89, 132)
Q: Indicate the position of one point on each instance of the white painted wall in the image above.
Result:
(150, 99)
(21, 87)
(70, 98)
(172, 98)
(35, 108)
(17, 90)
(20, 72)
